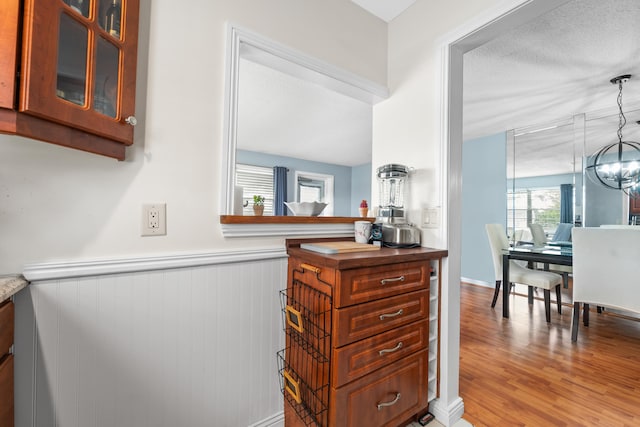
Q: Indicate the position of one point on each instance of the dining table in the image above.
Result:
(559, 253)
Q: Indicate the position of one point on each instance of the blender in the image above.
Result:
(396, 231)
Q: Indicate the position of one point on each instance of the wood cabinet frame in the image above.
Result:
(29, 106)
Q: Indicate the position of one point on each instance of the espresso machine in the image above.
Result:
(391, 220)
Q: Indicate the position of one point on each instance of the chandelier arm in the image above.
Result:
(621, 171)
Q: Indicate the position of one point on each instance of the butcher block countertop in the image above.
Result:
(364, 258)
(10, 285)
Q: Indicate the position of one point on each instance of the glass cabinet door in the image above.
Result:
(81, 62)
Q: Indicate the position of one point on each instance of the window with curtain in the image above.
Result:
(255, 180)
(541, 205)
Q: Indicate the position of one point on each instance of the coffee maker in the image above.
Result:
(391, 220)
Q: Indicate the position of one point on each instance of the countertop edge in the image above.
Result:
(11, 285)
(369, 258)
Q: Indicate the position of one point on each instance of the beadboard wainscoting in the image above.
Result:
(178, 341)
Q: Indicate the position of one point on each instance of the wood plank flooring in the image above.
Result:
(522, 371)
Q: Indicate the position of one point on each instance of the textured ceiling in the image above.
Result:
(536, 76)
(283, 115)
(550, 69)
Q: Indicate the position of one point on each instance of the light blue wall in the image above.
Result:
(547, 181)
(343, 177)
(484, 201)
(360, 187)
(605, 205)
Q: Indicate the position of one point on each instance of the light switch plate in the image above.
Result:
(430, 218)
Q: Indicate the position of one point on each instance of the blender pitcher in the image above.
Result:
(396, 232)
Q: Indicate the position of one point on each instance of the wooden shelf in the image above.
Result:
(249, 219)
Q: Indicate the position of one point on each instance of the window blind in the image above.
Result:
(255, 180)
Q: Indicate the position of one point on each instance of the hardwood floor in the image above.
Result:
(522, 371)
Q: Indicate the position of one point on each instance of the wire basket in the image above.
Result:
(306, 318)
(310, 401)
(304, 365)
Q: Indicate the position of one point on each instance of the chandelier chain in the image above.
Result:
(622, 120)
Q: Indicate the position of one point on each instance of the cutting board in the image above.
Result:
(338, 247)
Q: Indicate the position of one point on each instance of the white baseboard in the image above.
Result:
(449, 416)
(276, 420)
(477, 282)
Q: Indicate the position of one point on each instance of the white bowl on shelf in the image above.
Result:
(306, 208)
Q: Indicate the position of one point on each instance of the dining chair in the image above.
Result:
(563, 232)
(605, 271)
(540, 239)
(545, 280)
(537, 234)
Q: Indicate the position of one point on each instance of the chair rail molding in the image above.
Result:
(73, 269)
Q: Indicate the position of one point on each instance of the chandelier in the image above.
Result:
(617, 165)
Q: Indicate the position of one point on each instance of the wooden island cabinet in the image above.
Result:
(361, 336)
(6, 363)
(68, 72)
(634, 210)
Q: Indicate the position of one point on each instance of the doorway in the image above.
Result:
(495, 21)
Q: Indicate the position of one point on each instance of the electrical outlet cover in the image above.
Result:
(154, 219)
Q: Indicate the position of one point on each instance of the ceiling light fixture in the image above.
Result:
(617, 165)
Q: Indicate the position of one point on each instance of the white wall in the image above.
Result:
(409, 118)
(170, 347)
(61, 204)
(412, 118)
(194, 346)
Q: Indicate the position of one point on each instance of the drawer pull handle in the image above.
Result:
(391, 350)
(393, 402)
(394, 279)
(310, 267)
(397, 313)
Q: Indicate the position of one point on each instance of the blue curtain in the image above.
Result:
(280, 190)
(566, 203)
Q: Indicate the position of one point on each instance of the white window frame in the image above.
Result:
(328, 188)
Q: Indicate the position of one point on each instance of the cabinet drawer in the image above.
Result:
(358, 359)
(6, 327)
(367, 284)
(364, 320)
(384, 398)
(6, 391)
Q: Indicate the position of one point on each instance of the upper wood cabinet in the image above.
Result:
(634, 205)
(68, 72)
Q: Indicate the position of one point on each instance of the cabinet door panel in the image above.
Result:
(367, 284)
(364, 320)
(6, 391)
(358, 359)
(6, 327)
(634, 205)
(62, 83)
(384, 398)
(71, 69)
(9, 19)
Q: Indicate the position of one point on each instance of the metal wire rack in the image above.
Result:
(304, 365)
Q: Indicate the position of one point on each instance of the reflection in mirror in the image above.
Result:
(294, 112)
(542, 178)
(550, 156)
(315, 187)
(606, 206)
